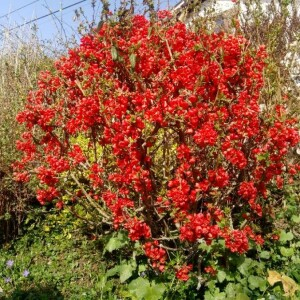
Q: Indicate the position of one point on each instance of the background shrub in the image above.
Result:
(21, 59)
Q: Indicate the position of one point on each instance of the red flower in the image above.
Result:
(183, 272)
(236, 241)
(47, 195)
(156, 254)
(59, 204)
(76, 154)
(199, 226)
(206, 136)
(218, 177)
(247, 190)
(210, 270)
(137, 229)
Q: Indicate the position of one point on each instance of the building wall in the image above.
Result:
(219, 6)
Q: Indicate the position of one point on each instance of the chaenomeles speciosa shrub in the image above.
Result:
(158, 130)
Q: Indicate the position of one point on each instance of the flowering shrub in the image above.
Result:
(157, 130)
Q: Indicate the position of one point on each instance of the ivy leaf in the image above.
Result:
(241, 296)
(221, 276)
(142, 288)
(285, 236)
(296, 219)
(139, 287)
(125, 272)
(245, 266)
(289, 286)
(155, 292)
(257, 282)
(287, 252)
(273, 277)
(264, 255)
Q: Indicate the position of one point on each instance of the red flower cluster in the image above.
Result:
(210, 270)
(137, 229)
(236, 241)
(199, 226)
(183, 272)
(161, 127)
(157, 255)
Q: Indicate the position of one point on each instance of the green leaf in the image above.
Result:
(231, 290)
(46, 228)
(125, 272)
(241, 296)
(253, 282)
(221, 276)
(212, 285)
(117, 242)
(132, 59)
(257, 282)
(139, 287)
(142, 288)
(113, 271)
(155, 292)
(142, 268)
(262, 156)
(204, 247)
(285, 236)
(114, 53)
(208, 296)
(232, 276)
(245, 266)
(215, 295)
(287, 252)
(296, 219)
(265, 255)
(113, 244)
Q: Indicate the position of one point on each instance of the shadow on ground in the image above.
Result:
(36, 293)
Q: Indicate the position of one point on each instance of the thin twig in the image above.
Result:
(88, 197)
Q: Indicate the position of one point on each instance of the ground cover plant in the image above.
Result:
(55, 259)
(156, 131)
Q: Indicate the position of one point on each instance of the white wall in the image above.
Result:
(223, 5)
